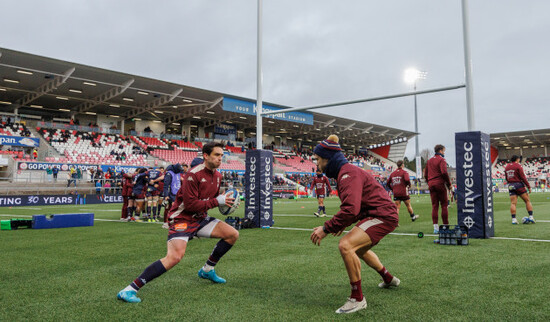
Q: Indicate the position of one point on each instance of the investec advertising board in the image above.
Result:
(474, 183)
(244, 107)
(259, 187)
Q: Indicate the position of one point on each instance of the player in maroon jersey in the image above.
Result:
(322, 188)
(399, 182)
(518, 186)
(189, 219)
(364, 201)
(438, 180)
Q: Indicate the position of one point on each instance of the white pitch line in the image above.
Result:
(522, 239)
(347, 231)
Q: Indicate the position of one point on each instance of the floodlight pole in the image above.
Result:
(259, 134)
(416, 141)
(468, 67)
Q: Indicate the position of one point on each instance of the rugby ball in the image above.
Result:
(228, 210)
(525, 220)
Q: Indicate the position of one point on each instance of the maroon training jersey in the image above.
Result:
(321, 186)
(399, 182)
(361, 196)
(127, 184)
(514, 173)
(197, 194)
(436, 171)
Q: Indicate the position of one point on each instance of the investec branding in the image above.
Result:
(251, 198)
(266, 189)
(469, 180)
(488, 178)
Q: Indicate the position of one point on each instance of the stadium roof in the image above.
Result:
(530, 138)
(51, 88)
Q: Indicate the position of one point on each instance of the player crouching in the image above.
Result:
(363, 200)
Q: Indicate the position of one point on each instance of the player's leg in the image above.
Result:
(154, 203)
(318, 212)
(124, 211)
(348, 247)
(175, 251)
(528, 205)
(149, 200)
(513, 203)
(397, 204)
(444, 200)
(435, 208)
(228, 237)
(139, 206)
(410, 209)
(322, 207)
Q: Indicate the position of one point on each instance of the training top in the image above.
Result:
(140, 182)
(436, 171)
(127, 184)
(399, 182)
(361, 196)
(321, 186)
(197, 194)
(514, 173)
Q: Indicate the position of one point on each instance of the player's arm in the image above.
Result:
(388, 182)
(524, 179)
(407, 180)
(350, 192)
(329, 189)
(167, 185)
(444, 173)
(426, 172)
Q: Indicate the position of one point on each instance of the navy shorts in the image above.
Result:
(401, 198)
(186, 229)
(320, 196)
(516, 188)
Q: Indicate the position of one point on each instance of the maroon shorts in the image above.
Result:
(401, 198)
(376, 228)
(516, 188)
(187, 229)
(438, 194)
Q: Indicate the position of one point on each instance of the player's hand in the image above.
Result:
(317, 235)
(225, 199)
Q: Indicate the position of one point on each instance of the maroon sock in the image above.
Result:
(385, 275)
(356, 292)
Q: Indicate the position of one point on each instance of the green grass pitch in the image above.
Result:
(274, 274)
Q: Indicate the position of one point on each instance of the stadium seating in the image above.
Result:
(93, 148)
(15, 129)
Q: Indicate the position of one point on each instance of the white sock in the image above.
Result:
(129, 288)
(207, 268)
(436, 226)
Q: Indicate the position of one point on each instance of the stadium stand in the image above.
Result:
(93, 148)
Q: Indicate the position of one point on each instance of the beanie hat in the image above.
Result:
(196, 161)
(327, 148)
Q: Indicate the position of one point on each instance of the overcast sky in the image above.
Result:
(315, 52)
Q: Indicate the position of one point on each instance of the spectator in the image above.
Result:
(49, 173)
(98, 187)
(55, 170)
(34, 154)
(107, 187)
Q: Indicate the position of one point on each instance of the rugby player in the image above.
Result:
(399, 182)
(364, 201)
(322, 188)
(518, 186)
(189, 219)
(438, 181)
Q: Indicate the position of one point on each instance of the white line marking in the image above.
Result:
(427, 235)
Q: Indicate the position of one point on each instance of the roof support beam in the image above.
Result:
(194, 110)
(153, 104)
(104, 97)
(45, 88)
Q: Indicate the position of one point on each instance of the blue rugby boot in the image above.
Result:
(211, 276)
(128, 296)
